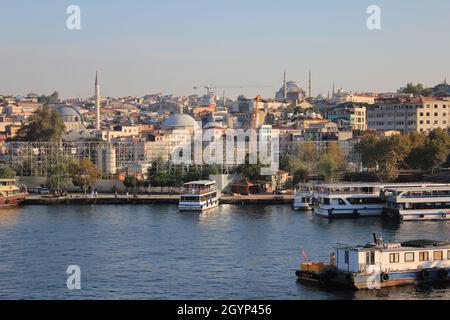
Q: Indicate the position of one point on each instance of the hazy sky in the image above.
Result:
(169, 46)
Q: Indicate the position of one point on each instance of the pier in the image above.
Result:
(109, 199)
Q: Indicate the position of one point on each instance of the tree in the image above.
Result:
(327, 167)
(417, 90)
(83, 173)
(51, 99)
(432, 153)
(160, 179)
(337, 155)
(6, 172)
(300, 176)
(58, 176)
(45, 125)
(130, 182)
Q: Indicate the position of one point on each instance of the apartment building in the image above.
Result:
(420, 114)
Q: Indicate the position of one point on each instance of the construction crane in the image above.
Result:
(210, 89)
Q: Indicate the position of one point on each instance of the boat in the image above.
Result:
(426, 203)
(379, 264)
(10, 194)
(353, 200)
(304, 197)
(199, 196)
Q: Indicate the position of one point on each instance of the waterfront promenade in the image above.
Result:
(106, 199)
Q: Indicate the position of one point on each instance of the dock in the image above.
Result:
(107, 199)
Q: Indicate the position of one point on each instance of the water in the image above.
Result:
(155, 252)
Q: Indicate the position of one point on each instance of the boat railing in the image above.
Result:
(345, 192)
(196, 191)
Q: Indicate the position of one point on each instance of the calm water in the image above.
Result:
(155, 252)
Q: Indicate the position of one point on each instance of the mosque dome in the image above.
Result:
(179, 120)
(70, 114)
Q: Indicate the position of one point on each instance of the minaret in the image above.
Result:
(285, 86)
(97, 103)
(310, 84)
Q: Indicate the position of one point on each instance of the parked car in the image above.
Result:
(40, 190)
(44, 191)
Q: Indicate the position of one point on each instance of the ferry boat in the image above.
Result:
(10, 194)
(377, 265)
(199, 196)
(304, 197)
(357, 200)
(427, 203)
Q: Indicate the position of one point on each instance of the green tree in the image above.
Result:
(6, 172)
(432, 153)
(300, 176)
(130, 182)
(58, 176)
(83, 173)
(417, 90)
(45, 125)
(51, 99)
(327, 167)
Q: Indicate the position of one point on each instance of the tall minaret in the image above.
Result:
(285, 86)
(310, 84)
(97, 103)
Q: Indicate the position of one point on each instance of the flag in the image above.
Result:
(304, 254)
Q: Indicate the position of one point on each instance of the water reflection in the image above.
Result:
(9, 217)
(157, 252)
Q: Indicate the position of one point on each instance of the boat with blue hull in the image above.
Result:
(379, 264)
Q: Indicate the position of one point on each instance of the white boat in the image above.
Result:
(426, 203)
(357, 199)
(199, 196)
(304, 197)
(379, 264)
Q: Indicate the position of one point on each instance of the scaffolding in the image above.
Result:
(35, 158)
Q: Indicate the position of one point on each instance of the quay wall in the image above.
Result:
(152, 199)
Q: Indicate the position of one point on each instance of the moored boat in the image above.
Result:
(304, 197)
(198, 196)
(353, 200)
(10, 194)
(379, 264)
(426, 203)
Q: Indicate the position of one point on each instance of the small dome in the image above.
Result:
(179, 120)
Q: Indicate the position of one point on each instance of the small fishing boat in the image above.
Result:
(381, 264)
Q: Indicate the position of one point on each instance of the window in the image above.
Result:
(394, 258)
(370, 258)
(409, 256)
(448, 255)
(438, 255)
(423, 256)
(347, 257)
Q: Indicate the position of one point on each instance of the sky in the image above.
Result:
(170, 46)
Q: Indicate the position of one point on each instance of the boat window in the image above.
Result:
(347, 257)
(326, 201)
(341, 202)
(438, 255)
(370, 258)
(423, 256)
(394, 258)
(409, 257)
